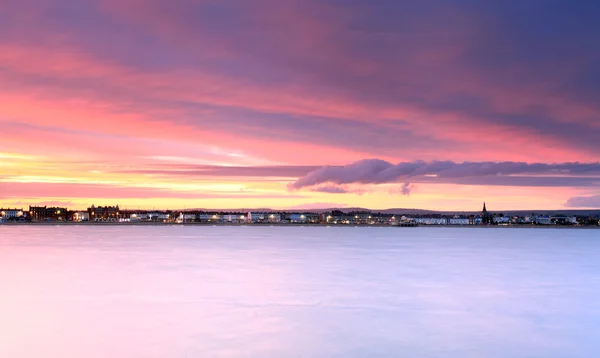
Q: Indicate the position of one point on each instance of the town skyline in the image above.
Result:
(300, 105)
(53, 205)
(333, 216)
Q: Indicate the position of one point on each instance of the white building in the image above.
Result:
(255, 217)
(543, 220)
(189, 217)
(458, 221)
(11, 213)
(501, 219)
(274, 218)
(263, 217)
(208, 217)
(139, 217)
(234, 218)
(157, 216)
(569, 220)
(431, 221)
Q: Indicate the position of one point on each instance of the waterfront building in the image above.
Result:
(274, 218)
(235, 218)
(263, 217)
(258, 217)
(360, 217)
(11, 213)
(137, 217)
(163, 216)
(543, 220)
(44, 213)
(103, 213)
(298, 218)
(188, 217)
(486, 217)
(304, 217)
(338, 217)
(431, 221)
(457, 220)
(564, 220)
(209, 217)
(501, 219)
(81, 216)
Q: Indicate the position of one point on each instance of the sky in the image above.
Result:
(291, 104)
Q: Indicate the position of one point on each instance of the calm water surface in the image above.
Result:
(172, 291)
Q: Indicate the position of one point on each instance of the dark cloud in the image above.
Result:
(584, 202)
(332, 189)
(375, 171)
(406, 189)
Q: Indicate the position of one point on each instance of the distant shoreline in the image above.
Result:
(293, 225)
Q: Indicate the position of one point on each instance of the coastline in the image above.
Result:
(293, 225)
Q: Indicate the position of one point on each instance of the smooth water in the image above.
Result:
(172, 291)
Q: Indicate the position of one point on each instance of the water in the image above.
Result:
(171, 291)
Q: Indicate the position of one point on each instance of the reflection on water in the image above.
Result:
(171, 291)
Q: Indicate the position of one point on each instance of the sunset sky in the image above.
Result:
(300, 104)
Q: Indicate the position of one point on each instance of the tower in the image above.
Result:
(486, 218)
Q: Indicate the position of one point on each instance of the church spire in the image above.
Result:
(484, 209)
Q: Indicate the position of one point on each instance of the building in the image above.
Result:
(81, 216)
(263, 217)
(103, 213)
(431, 221)
(43, 213)
(543, 220)
(209, 217)
(337, 217)
(235, 218)
(159, 216)
(255, 217)
(564, 220)
(136, 217)
(457, 220)
(360, 217)
(486, 217)
(189, 217)
(304, 218)
(11, 213)
(274, 218)
(501, 219)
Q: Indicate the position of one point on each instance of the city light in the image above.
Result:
(358, 218)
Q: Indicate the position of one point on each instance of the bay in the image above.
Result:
(258, 291)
